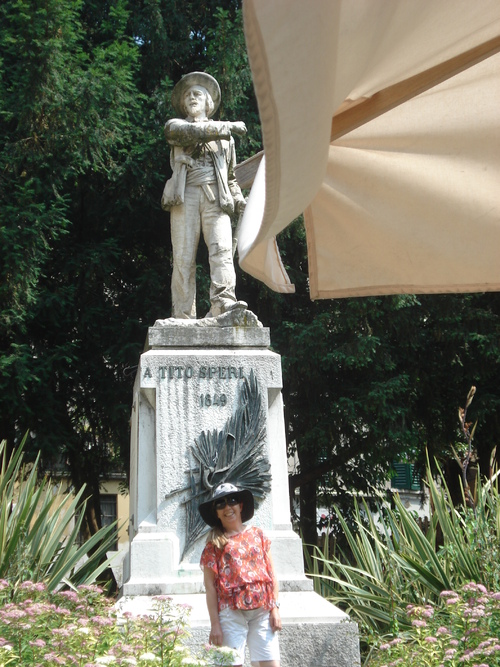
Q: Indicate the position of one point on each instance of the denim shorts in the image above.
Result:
(250, 627)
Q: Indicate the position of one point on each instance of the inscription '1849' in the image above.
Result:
(202, 373)
(209, 401)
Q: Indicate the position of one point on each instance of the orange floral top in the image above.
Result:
(243, 577)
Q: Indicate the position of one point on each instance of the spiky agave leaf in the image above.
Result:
(34, 518)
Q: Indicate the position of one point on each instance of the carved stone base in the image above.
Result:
(203, 415)
(237, 316)
(174, 333)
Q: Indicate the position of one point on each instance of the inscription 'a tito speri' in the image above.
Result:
(202, 373)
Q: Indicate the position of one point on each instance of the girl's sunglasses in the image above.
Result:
(228, 500)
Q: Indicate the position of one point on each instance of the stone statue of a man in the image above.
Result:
(202, 194)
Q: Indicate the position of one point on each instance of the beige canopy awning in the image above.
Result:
(381, 122)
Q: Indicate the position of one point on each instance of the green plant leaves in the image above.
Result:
(39, 527)
(392, 563)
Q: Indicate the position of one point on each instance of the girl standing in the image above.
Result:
(241, 587)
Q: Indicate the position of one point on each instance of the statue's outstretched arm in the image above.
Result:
(184, 133)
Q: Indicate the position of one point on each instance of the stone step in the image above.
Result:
(315, 632)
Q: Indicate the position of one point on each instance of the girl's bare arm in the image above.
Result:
(275, 618)
(213, 607)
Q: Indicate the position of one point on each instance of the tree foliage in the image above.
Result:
(85, 251)
(376, 380)
(85, 261)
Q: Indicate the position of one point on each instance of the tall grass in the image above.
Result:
(39, 527)
(393, 563)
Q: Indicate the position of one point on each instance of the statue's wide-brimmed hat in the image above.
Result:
(208, 511)
(195, 79)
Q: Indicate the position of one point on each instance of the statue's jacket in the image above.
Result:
(187, 139)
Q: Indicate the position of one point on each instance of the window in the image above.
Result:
(406, 477)
(108, 516)
(108, 511)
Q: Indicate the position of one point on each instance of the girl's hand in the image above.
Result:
(216, 635)
(275, 619)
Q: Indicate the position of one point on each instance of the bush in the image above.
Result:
(393, 563)
(465, 630)
(34, 517)
(80, 628)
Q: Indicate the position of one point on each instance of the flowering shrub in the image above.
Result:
(79, 628)
(463, 630)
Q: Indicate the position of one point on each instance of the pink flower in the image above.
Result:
(15, 614)
(70, 595)
(473, 587)
(90, 588)
(102, 620)
(37, 642)
(62, 611)
(478, 612)
(61, 632)
(59, 660)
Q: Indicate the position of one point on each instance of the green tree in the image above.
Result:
(73, 122)
(85, 252)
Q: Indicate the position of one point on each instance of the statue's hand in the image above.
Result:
(238, 127)
(239, 206)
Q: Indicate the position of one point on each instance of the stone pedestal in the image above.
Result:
(315, 633)
(208, 408)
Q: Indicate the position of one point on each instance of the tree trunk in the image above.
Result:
(308, 521)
